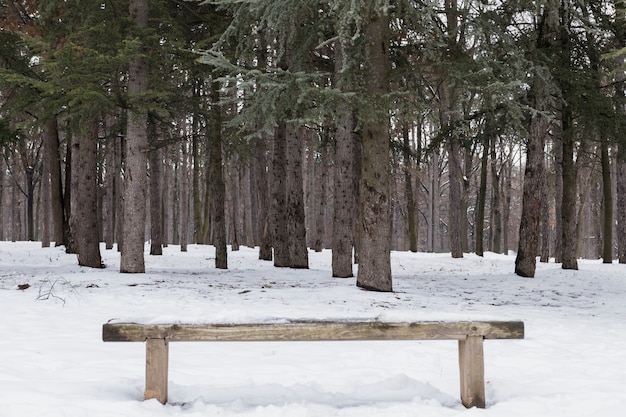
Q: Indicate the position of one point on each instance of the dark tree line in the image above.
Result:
(360, 126)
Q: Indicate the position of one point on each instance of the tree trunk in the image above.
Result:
(374, 271)
(296, 230)
(496, 209)
(217, 179)
(260, 165)
(68, 238)
(545, 222)
(132, 259)
(558, 200)
(345, 196)
(280, 239)
(411, 207)
(56, 185)
(482, 197)
(529, 232)
(607, 205)
(568, 209)
(184, 197)
(45, 193)
(84, 220)
(156, 209)
(621, 203)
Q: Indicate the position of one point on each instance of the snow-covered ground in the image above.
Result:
(53, 362)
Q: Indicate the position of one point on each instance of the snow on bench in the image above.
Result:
(470, 336)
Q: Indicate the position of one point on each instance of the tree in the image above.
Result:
(135, 175)
(529, 238)
(375, 228)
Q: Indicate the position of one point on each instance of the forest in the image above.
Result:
(361, 126)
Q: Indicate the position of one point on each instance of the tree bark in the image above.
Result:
(529, 232)
(262, 193)
(296, 230)
(374, 271)
(132, 258)
(217, 179)
(607, 205)
(482, 197)
(280, 239)
(156, 208)
(84, 220)
(345, 196)
(411, 206)
(621, 203)
(568, 209)
(184, 197)
(56, 185)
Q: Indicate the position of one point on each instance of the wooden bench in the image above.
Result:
(470, 336)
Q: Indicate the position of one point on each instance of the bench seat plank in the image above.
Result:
(470, 336)
(312, 331)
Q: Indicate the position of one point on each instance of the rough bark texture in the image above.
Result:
(482, 197)
(298, 253)
(529, 234)
(411, 206)
(85, 203)
(607, 206)
(217, 180)
(558, 199)
(135, 175)
(184, 197)
(56, 184)
(621, 204)
(46, 195)
(278, 205)
(375, 200)
(262, 192)
(156, 212)
(568, 209)
(345, 197)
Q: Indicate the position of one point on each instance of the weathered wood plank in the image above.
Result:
(313, 331)
(472, 372)
(157, 358)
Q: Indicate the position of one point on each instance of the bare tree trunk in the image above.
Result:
(296, 230)
(84, 220)
(56, 186)
(156, 208)
(345, 197)
(411, 207)
(247, 209)
(607, 205)
(529, 234)
(109, 197)
(217, 179)
(375, 232)
(260, 165)
(184, 197)
(568, 209)
(447, 119)
(482, 197)
(506, 212)
(621, 203)
(558, 199)
(46, 195)
(280, 240)
(132, 259)
(545, 222)
(232, 170)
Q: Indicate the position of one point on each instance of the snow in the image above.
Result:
(54, 363)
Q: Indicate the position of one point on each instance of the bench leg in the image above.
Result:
(472, 367)
(156, 369)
